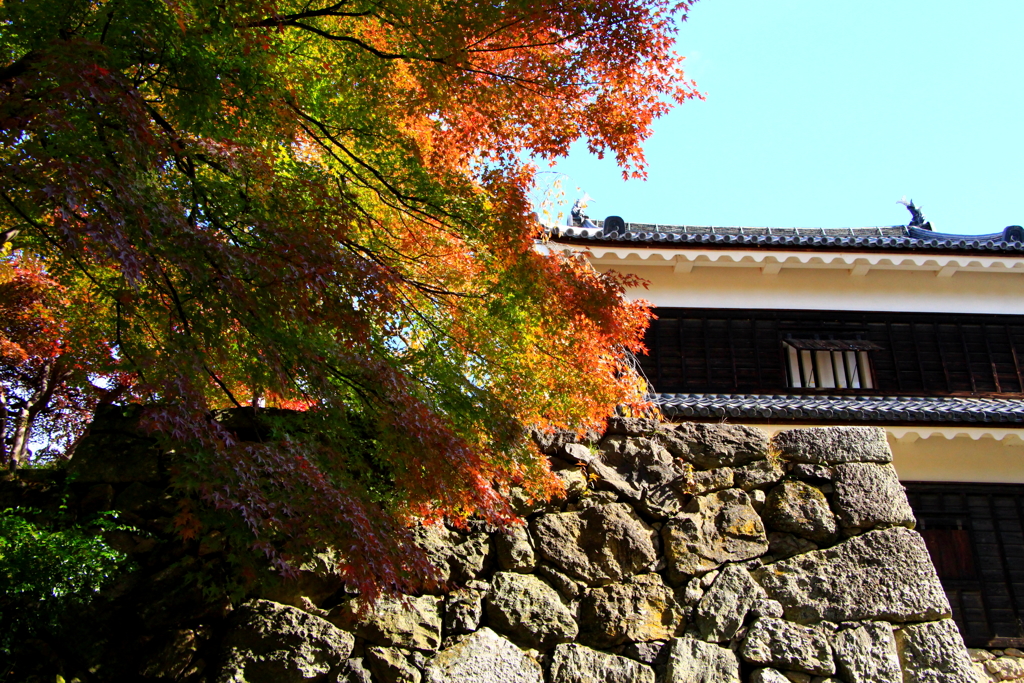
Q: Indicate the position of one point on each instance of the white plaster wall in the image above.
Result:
(829, 289)
(959, 459)
(951, 454)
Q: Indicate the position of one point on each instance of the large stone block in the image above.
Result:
(694, 661)
(783, 644)
(269, 641)
(798, 508)
(483, 657)
(867, 654)
(390, 665)
(767, 675)
(515, 549)
(641, 609)
(116, 450)
(884, 574)
(597, 545)
(316, 580)
(463, 609)
(721, 611)
(868, 495)
(578, 664)
(713, 529)
(831, 445)
(529, 610)
(705, 481)
(639, 470)
(758, 474)
(409, 622)
(708, 446)
(632, 426)
(352, 671)
(933, 652)
(459, 556)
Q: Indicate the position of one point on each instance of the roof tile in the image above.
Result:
(844, 407)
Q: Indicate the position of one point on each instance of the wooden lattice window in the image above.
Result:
(916, 354)
(829, 364)
(975, 536)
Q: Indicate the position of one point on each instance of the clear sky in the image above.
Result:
(823, 113)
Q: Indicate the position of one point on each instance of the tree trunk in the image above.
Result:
(50, 376)
(5, 462)
(22, 432)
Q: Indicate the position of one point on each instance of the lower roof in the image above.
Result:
(848, 408)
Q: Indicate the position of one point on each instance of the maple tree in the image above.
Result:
(324, 204)
(55, 366)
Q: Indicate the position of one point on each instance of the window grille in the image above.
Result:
(700, 350)
(829, 364)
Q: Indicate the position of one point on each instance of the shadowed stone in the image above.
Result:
(632, 426)
(653, 653)
(708, 446)
(463, 609)
(352, 671)
(640, 470)
(459, 556)
(269, 641)
(758, 474)
(782, 546)
(389, 665)
(515, 549)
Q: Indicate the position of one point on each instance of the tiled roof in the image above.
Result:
(844, 408)
(894, 238)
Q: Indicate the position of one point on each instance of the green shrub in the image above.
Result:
(45, 573)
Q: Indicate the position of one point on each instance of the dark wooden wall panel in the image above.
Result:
(975, 534)
(740, 351)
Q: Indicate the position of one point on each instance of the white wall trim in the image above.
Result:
(908, 434)
(771, 261)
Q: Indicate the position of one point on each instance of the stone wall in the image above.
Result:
(681, 553)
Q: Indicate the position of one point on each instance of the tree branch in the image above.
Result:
(19, 67)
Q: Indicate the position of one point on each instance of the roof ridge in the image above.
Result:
(896, 238)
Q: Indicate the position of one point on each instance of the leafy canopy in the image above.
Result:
(47, 572)
(323, 204)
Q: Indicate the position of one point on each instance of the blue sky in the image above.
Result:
(824, 114)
